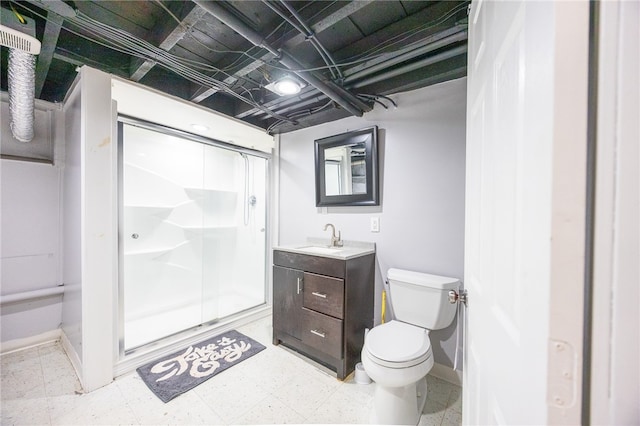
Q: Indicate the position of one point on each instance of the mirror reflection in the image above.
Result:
(345, 170)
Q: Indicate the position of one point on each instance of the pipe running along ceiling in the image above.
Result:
(226, 55)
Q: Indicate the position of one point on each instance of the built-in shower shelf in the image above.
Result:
(195, 231)
(149, 251)
(211, 228)
(201, 192)
(156, 251)
(149, 209)
(178, 266)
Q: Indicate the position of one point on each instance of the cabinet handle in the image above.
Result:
(317, 333)
(299, 285)
(315, 293)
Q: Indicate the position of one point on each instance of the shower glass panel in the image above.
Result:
(193, 233)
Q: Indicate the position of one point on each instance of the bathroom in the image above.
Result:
(422, 174)
(438, 160)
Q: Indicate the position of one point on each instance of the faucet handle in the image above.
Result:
(339, 242)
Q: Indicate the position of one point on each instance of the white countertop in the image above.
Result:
(321, 247)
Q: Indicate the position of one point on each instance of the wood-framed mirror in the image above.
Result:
(347, 169)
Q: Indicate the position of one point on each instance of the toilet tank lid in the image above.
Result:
(420, 278)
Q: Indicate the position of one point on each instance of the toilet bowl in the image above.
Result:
(397, 355)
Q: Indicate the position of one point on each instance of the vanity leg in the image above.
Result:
(340, 371)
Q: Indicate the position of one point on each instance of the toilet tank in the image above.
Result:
(422, 299)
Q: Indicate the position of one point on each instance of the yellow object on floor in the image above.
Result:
(384, 306)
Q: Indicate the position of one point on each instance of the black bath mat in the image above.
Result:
(179, 372)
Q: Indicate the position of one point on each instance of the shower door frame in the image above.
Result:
(143, 124)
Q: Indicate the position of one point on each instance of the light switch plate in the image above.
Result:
(375, 224)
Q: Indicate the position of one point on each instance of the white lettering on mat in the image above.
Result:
(202, 361)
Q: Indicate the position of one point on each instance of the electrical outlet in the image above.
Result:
(375, 224)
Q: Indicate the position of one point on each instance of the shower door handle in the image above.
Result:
(300, 282)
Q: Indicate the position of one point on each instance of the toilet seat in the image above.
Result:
(398, 345)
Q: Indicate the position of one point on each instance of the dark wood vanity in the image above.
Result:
(322, 306)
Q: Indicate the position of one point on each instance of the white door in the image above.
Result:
(512, 132)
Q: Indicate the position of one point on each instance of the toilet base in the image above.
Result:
(399, 406)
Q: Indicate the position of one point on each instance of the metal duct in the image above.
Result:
(21, 73)
(22, 88)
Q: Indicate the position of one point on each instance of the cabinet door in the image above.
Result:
(287, 300)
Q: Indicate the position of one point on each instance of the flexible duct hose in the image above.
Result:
(22, 77)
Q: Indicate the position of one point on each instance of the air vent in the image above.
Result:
(17, 40)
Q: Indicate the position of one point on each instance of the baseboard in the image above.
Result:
(72, 355)
(29, 342)
(447, 374)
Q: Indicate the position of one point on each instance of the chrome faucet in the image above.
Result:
(335, 241)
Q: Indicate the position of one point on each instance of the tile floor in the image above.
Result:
(276, 386)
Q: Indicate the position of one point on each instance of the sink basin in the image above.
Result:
(321, 250)
(320, 247)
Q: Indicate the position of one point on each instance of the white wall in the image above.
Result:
(30, 247)
(30, 230)
(422, 164)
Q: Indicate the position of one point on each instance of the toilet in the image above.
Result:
(397, 355)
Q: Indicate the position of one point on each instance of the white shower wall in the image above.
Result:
(248, 283)
(189, 258)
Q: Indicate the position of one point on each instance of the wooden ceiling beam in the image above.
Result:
(166, 34)
(395, 36)
(433, 34)
(73, 58)
(317, 27)
(48, 47)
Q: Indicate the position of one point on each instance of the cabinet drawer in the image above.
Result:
(322, 332)
(324, 294)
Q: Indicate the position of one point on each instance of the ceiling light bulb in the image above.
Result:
(287, 86)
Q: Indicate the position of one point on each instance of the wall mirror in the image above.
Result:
(347, 169)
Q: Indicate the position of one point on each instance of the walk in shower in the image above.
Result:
(193, 218)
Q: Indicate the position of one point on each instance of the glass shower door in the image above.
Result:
(193, 245)
(234, 229)
(161, 235)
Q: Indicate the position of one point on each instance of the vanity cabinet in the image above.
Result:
(322, 306)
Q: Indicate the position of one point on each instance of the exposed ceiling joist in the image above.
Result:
(344, 12)
(345, 99)
(380, 63)
(167, 36)
(422, 24)
(49, 41)
(352, 53)
(317, 27)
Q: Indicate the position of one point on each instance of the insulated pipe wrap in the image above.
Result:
(22, 76)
